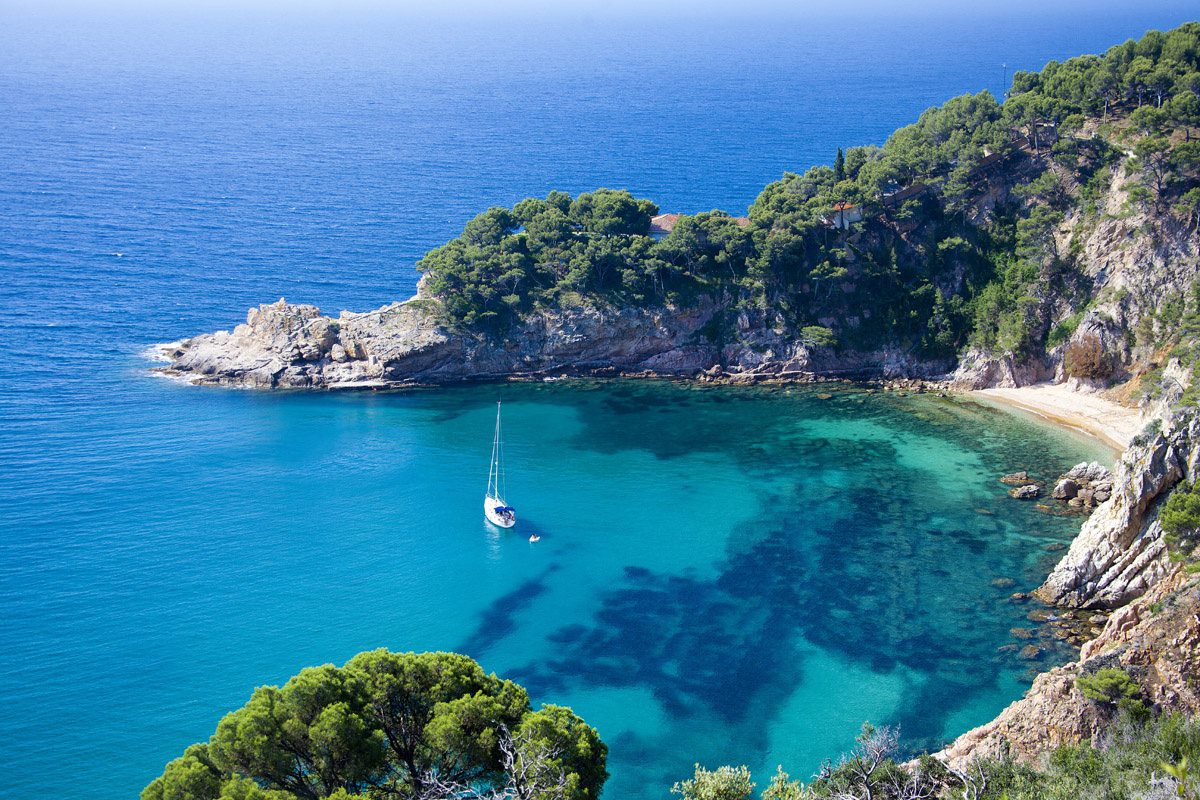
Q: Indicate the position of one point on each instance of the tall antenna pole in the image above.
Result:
(1004, 82)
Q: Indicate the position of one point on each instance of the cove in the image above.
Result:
(726, 574)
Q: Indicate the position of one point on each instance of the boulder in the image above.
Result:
(1065, 489)
(1016, 478)
(1027, 492)
(1086, 472)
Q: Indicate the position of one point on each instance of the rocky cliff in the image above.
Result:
(1134, 262)
(1155, 639)
(1121, 551)
(283, 345)
(1119, 562)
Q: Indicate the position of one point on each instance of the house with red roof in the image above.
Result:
(663, 224)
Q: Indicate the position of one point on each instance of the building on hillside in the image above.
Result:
(663, 224)
(843, 216)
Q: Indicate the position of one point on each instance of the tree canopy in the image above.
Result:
(940, 238)
(400, 725)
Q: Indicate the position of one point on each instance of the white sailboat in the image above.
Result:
(495, 508)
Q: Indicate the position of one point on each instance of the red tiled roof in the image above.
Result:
(664, 223)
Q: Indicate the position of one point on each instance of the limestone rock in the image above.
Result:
(1029, 491)
(285, 345)
(1065, 489)
(1162, 650)
(1120, 551)
(1016, 478)
(1085, 472)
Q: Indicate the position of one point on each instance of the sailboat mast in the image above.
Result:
(500, 482)
(493, 489)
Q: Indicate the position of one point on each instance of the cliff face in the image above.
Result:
(293, 346)
(1118, 561)
(1120, 552)
(1155, 639)
(1134, 261)
(282, 345)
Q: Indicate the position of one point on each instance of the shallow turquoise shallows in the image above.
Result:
(724, 575)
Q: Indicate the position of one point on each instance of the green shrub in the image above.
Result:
(1065, 329)
(722, 783)
(817, 336)
(1109, 686)
(1180, 515)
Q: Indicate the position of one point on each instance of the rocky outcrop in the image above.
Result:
(1084, 485)
(1133, 259)
(1030, 491)
(1155, 639)
(981, 370)
(293, 346)
(1120, 552)
(283, 345)
(1118, 561)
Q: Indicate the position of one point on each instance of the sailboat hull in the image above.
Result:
(490, 504)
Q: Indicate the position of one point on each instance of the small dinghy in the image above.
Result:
(495, 508)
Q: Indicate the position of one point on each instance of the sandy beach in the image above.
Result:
(1093, 414)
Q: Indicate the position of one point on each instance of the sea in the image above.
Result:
(725, 575)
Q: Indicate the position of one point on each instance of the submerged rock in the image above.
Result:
(1162, 652)
(1030, 491)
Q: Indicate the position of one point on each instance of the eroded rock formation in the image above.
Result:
(1155, 639)
(1120, 552)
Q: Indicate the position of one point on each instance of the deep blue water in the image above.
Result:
(770, 568)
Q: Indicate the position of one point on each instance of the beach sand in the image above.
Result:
(1093, 414)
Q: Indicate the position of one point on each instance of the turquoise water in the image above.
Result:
(724, 575)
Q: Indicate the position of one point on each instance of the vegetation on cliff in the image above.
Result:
(942, 237)
(400, 725)
(434, 726)
(1134, 759)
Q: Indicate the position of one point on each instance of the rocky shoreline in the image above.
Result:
(284, 345)
(1120, 568)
